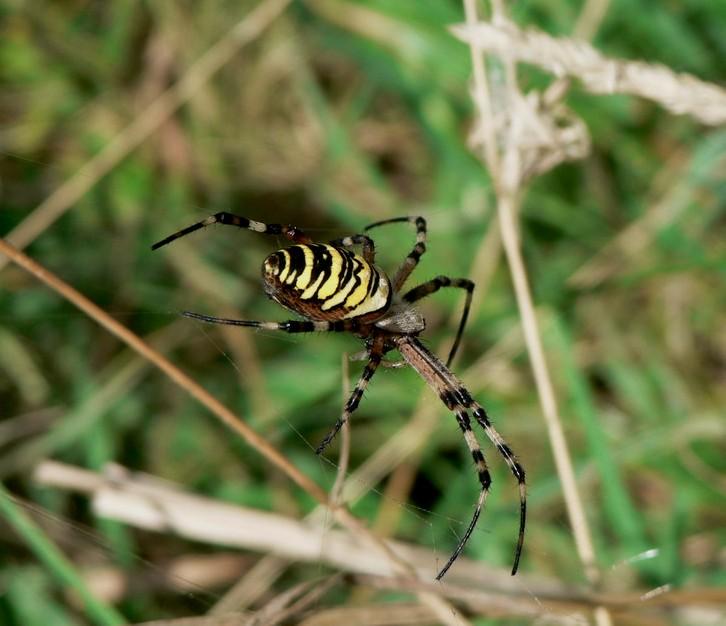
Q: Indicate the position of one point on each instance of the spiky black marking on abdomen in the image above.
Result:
(325, 281)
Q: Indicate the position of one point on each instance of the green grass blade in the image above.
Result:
(62, 569)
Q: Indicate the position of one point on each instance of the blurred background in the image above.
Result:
(335, 115)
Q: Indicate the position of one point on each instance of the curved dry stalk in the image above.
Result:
(558, 442)
(73, 189)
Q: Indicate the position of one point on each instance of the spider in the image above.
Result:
(336, 290)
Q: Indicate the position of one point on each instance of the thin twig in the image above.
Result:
(532, 335)
(337, 489)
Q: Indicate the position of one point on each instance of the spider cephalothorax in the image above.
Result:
(336, 290)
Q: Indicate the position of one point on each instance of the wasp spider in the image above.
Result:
(336, 290)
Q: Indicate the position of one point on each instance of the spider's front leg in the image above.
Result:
(293, 233)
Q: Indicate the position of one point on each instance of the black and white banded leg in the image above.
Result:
(369, 248)
(480, 415)
(374, 360)
(292, 233)
(485, 481)
(411, 261)
(432, 286)
(289, 326)
(457, 399)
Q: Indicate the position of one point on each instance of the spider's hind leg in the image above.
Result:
(485, 480)
(457, 399)
(480, 415)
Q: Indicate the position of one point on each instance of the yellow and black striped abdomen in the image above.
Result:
(326, 282)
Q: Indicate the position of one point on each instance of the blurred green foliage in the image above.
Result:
(329, 121)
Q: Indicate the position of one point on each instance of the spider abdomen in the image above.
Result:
(326, 282)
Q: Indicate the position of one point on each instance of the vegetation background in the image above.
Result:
(339, 114)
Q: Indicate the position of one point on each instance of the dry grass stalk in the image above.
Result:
(507, 122)
(680, 93)
(151, 503)
(337, 489)
(147, 502)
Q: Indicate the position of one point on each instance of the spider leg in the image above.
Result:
(369, 248)
(230, 219)
(411, 261)
(290, 326)
(374, 360)
(432, 286)
(514, 466)
(485, 480)
(480, 415)
(457, 398)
